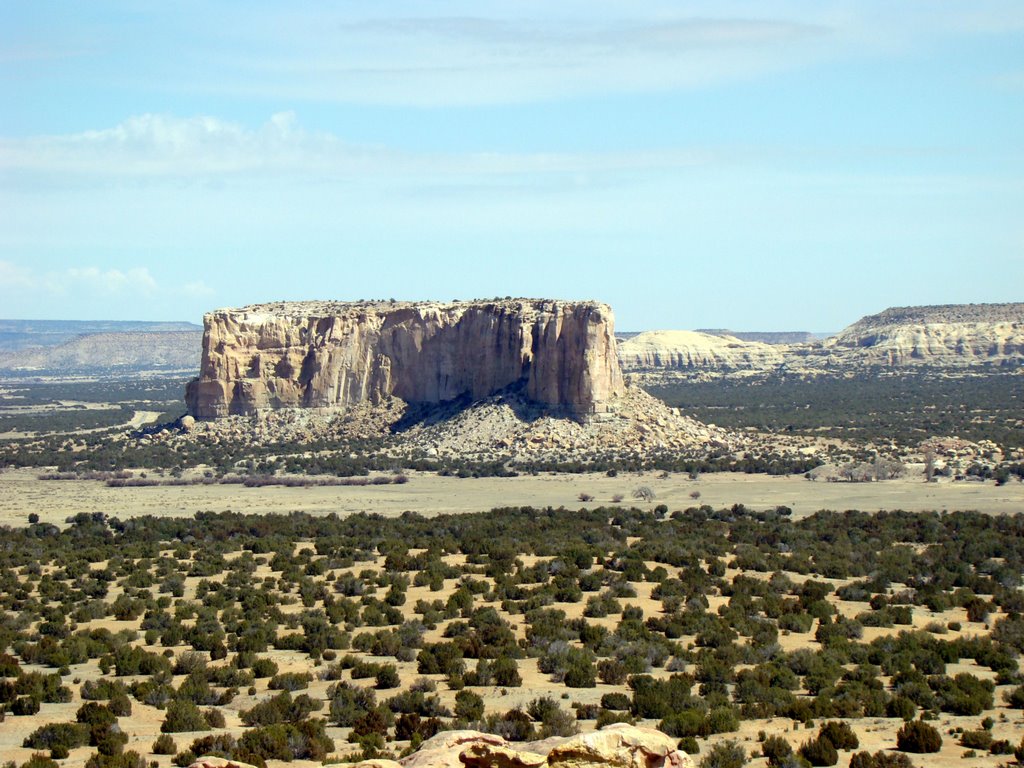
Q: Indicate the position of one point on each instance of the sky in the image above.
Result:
(769, 165)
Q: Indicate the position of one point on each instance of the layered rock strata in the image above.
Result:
(562, 355)
(958, 335)
(690, 350)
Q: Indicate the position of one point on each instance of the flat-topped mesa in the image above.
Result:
(953, 335)
(334, 354)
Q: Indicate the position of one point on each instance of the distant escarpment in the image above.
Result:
(973, 338)
(561, 355)
(767, 337)
(693, 351)
(117, 351)
(956, 335)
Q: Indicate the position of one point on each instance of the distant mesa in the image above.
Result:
(952, 335)
(34, 334)
(964, 337)
(765, 337)
(57, 347)
(695, 350)
(559, 354)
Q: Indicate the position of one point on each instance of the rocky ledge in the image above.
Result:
(330, 354)
(615, 746)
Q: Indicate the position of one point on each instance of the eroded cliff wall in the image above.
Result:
(329, 354)
(693, 350)
(950, 336)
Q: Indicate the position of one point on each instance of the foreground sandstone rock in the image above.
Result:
(219, 762)
(620, 746)
(616, 746)
(330, 354)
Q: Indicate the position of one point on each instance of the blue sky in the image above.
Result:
(763, 165)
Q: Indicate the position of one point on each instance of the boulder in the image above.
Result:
(218, 762)
(444, 749)
(484, 755)
(620, 746)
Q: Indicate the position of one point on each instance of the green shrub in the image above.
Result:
(183, 716)
(70, 735)
(689, 745)
(776, 749)
(468, 705)
(880, 760)
(290, 681)
(725, 754)
(616, 701)
(918, 737)
(840, 734)
(819, 752)
(1001, 747)
(25, 705)
(1015, 698)
(164, 745)
(264, 667)
(720, 720)
(39, 761)
(505, 672)
(980, 739)
(387, 677)
(901, 707)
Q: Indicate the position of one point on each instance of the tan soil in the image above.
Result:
(21, 493)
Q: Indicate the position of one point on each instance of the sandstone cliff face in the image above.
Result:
(689, 350)
(325, 355)
(942, 336)
(960, 337)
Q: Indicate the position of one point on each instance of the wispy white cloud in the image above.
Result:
(455, 53)
(437, 60)
(164, 146)
(15, 277)
(109, 282)
(90, 284)
(197, 289)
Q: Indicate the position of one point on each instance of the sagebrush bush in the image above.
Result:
(840, 734)
(918, 737)
(819, 752)
(164, 745)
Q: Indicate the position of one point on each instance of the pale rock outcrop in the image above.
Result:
(616, 746)
(689, 350)
(328, 355)
(484, 755)
(620, 746)
(953, 336)
(959, 337)
(219, 762)
(443, 750)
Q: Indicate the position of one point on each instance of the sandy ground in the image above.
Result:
(21, 493)
(144, 723)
